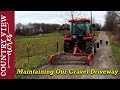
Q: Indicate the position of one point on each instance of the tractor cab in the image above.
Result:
(80, 26)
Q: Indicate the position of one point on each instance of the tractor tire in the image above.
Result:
(67, 46)
(89, 47)
(95, 50)
(97, 45)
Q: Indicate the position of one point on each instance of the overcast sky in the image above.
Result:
(26, 17)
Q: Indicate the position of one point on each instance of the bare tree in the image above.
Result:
(66, 15)
(112, 23)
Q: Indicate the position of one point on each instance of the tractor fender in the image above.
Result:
(68, 39)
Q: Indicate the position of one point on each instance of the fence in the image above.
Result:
(35, 58)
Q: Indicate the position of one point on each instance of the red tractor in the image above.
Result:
(80, 41)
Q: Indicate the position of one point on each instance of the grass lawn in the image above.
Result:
(115, 45)
(96, 33)
(37, 50)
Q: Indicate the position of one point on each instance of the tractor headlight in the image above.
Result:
(74, 36)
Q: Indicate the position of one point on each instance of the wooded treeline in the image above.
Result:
(35, 29)
(112, 23)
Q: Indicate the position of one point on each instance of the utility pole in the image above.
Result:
(91, 22)
(72, 14)
(91, 16)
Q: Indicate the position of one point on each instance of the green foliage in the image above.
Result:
(96, 34)
(115, 46)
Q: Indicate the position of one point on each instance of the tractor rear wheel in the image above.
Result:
(89, 46)
(67, 46)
